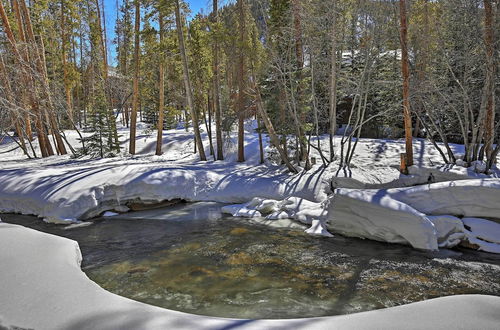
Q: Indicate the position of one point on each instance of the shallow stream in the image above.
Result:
(189, 258)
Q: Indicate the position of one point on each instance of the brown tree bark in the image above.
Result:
(25, 56)
(41, 67)
(50, 110)
(64, 41)
(187, 82)
(135, 96)
(405, 69)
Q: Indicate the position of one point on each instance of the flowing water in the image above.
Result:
(189, 258)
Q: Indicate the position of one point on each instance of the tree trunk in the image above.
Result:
(489, 88)
(50, 111)
(261, 144)
(135, 96)
(405, 69)
(421, 65)
(299, 54)
(67, 87)
(333, 81)
(241, 84)
(44, 143)
(216, 83)
(113, 135)
(161, 109)
(25, 55)
(187, 82)
(270, 129)
(208, 122)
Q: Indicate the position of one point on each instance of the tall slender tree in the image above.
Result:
(161, 103)
(405, 69)
(241, 82)
(489, 88)
(187, 82)
(135, 96)
(216, 81)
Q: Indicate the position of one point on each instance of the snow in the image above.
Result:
(374, 215)
(61, 190)
(109, 214)
(483, 246)
(41, 274)
(450, 230)
(74, 192)
(240, 210)
(469, 198)
(483, 233)
(423, 216)
(484, 229)
(296, 208)
(64, 190)
(318, 228)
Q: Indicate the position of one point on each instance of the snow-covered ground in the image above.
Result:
(43, 287)
(60, 188)
(63, 189)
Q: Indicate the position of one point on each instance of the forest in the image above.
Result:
(300, 68)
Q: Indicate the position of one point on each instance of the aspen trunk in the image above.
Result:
(187, 82)
(216, 83)
(135, 96)
(159, 138)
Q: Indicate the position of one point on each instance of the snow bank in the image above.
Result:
(72, 192)
(43, 287)
(374, 215)
(450, 230)
(422, 216)
(483, 229)
(469, 198)
(300, 209)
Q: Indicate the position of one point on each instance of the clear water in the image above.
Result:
(191, 259)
